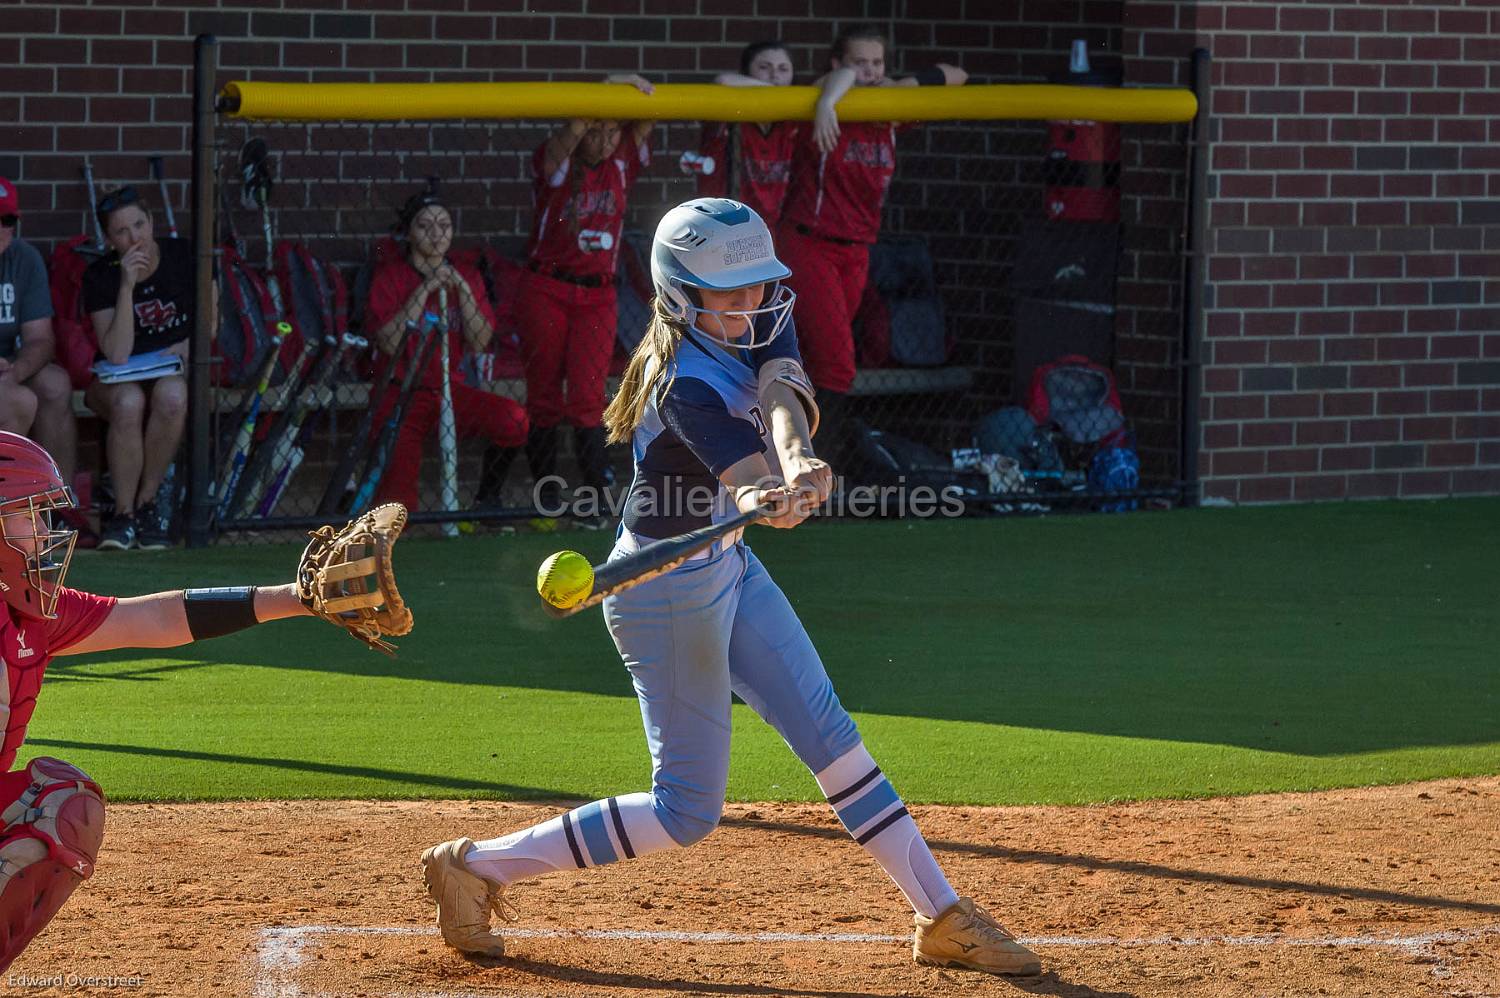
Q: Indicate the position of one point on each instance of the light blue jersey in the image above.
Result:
(718, 622)
(704, 417)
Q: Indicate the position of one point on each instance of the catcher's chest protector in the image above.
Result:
(23, 659)
(49, 838)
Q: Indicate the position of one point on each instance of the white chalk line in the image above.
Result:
(281, 949)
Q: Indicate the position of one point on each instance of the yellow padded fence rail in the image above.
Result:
(695, 102)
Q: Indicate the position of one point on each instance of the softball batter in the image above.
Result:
(720, 417)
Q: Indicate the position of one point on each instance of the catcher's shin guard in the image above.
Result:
(48, 843)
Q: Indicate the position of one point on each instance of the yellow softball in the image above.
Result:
(565, 579)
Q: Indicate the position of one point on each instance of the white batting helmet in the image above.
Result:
(718, 244)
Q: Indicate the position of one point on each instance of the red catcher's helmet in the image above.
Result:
(33, 556)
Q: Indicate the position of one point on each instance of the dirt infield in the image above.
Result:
(1381, 892)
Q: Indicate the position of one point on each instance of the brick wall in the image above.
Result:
(111, 79)
(1352, 342)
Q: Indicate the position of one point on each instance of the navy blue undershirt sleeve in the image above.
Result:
(784, 345)
(698, 416)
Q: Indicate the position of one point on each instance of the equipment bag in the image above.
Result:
(906, 311)
(246, 319)
(885, 460)
(1078, 395)
(73, 331)
(1116, 468)
(316, 297)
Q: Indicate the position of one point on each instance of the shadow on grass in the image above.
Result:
(1140, 869)
(1309, 630)
(303, 766)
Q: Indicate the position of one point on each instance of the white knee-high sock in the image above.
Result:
(868, 806)
(601, 832)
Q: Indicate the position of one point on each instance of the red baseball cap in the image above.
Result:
(10, 204)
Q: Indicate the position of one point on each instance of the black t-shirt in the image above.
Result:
(164, 302)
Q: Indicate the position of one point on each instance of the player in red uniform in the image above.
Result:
(51, 813)
(565, 308)
(832, 215)
(404, 290)
(753, 161)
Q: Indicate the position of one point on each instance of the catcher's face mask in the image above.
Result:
(36, 551)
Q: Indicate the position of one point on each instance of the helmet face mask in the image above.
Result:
(717, 244)
(777, 303)
(26, 528)
(35, 550)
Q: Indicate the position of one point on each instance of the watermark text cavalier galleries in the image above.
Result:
(676, 499)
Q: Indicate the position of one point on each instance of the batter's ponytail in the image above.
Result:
(652, 357)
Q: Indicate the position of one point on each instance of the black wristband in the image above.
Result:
(212, 613)
(932, 76)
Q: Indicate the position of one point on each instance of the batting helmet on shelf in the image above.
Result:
(718, 244)
(34, 554)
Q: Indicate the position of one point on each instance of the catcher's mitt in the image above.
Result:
(334, 577)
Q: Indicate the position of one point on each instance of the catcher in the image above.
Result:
(52, 813)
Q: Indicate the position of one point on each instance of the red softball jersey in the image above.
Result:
(26, 646)
(567, 209)
(394, 283)
(764, 169)
(839, 196)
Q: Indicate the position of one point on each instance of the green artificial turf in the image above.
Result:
(1064, 660)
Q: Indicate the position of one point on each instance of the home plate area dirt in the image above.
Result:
(1385, 892)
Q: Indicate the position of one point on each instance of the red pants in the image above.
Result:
(476, 413)
(829, 279)
(567, 334)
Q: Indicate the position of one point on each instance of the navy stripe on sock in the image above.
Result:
(882, 825)
(871, 775)
(573, 842)
(614, 815)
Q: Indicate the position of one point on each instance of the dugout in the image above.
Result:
(969, 179)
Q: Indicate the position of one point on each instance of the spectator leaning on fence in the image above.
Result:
(565, 307)
(36, 398)
(832, 215)
(402, 292)
(752, 162)
(140, 298)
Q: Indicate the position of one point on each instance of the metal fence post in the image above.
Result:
(200, 389)
(1197, 274)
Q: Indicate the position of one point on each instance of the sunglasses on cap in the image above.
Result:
(117, 199)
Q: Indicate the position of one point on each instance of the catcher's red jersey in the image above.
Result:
(764, 168)
(839, 196)
(577, 201)
(26, 646)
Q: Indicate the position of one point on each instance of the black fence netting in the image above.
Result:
(1009, 340)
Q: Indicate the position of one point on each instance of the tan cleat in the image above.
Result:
(464, 900)
(968, 936)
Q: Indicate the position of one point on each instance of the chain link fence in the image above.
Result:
(1015, 345)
